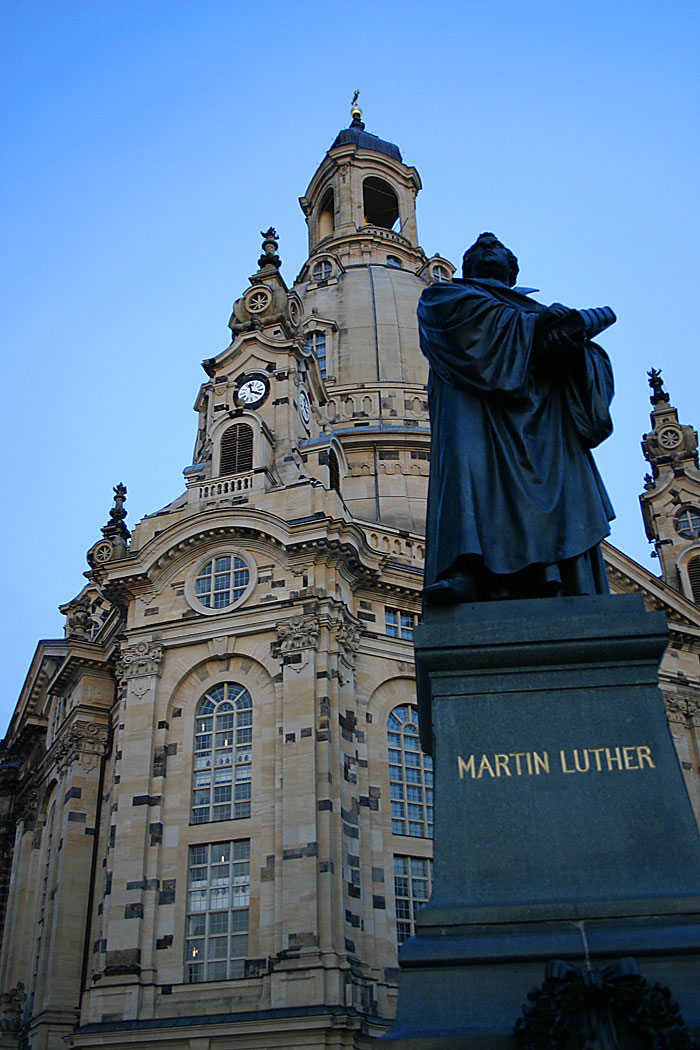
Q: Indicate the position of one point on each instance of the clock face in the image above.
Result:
(304, 407)
(252, 391)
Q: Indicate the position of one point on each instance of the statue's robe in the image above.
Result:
(512, 480)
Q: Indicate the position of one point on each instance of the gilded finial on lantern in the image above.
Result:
(355, 111)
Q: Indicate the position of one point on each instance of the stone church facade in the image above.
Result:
(215, 817)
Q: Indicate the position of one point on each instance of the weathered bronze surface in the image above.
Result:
(518, 397)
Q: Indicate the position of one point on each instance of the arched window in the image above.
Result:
(333, 471)
(222, 754)
(410, 774)
(237, 449)
(694, 577)
(326, 216)
(393, 260)
(380, 203)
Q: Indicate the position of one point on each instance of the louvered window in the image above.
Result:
(237, 449)
(694, 577)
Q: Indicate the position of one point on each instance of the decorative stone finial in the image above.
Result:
(117, 513)
(356, 112)
(115, 533)
(657, 385)
(269, 256)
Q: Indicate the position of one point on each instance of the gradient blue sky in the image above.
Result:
(146, 144)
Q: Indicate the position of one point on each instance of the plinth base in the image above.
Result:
(563, 829)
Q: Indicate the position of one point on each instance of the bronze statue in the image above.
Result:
(518, 396)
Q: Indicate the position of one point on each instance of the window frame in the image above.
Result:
(690, 533)
(406, 924)
(236, 425)
(209, 759)
(411, 784)
(398, 620)
(310, 344)
(191, 595)
(201, 939)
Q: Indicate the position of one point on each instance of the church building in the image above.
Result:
(216, 820)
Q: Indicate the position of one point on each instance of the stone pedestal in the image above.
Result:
(563, 830)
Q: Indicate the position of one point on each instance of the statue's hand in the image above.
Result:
(559, 337)
(552, 317)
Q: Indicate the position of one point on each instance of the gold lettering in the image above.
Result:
(617, 757)
(517, 755)
(629, 758)
(528, 759)
(465, 767)
(597, 751)
(644, 755)
(501, 763)
(541, 760)
(582, 769)
(562, 758)
(484, 765)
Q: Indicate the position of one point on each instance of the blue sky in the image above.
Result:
(146, 144)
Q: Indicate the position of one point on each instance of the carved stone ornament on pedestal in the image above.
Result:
(347, 633)
(295, 640)
(84, 742)
(139, 660)
(12, 1008)
(301, 632)
(79, 619)
(27, 805)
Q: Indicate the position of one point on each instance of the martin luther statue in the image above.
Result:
(518, 396)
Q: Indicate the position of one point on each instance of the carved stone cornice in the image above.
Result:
(84, 742)
(299, 632)
(139, 660)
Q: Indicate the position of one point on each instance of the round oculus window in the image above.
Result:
(294, 311)
(258, 300)
(102, 552)
(322, 270)
(687, 522)
(222, 582)
(669, 437)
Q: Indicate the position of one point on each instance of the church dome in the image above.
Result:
(372, 308)
(356, 135)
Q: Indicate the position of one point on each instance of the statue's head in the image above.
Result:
(488, 257)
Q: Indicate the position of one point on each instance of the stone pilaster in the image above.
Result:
(132, 865)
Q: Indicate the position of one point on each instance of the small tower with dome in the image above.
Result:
(671, 498)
